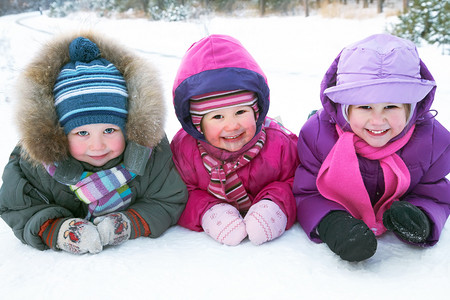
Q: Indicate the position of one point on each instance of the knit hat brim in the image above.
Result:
(203, 104)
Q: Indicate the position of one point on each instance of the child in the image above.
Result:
(234, 161)
(375, 158)
(93, 167)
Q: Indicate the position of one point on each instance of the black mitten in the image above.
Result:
(408, 221)
(347, 236)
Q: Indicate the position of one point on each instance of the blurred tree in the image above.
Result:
(426, 21)
(262, 7)
(380, 6)
(17, 6)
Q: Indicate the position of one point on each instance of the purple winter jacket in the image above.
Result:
(426, 155)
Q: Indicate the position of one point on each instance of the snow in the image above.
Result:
(294, 52)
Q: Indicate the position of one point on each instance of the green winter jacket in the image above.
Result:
(29, 196)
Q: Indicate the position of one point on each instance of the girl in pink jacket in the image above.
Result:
(238, 165)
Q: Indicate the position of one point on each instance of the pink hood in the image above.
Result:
(217, 63)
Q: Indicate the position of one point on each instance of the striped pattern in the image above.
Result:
(139, 226)
(206, 103)
(92, 111)
(88, 93)
(88, 79)
(49, 231)
(225, 184)
(105, 191)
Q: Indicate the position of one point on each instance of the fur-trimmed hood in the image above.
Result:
(42, 137)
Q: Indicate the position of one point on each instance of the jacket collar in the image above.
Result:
(135, 158)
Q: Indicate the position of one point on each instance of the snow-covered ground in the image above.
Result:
(294, 52)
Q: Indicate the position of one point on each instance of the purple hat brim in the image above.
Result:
(380, 90)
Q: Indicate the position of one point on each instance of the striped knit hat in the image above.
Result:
(89, 89)
(202, 104)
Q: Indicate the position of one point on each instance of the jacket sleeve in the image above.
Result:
(432, 193)
(199, 202)
(311, 205)
(279, 190)
(161, 195)
(185, 156)
(25, 205)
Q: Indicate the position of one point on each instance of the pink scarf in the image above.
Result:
(340, 179)
(225, 184)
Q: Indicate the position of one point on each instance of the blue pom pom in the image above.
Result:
(82, 49)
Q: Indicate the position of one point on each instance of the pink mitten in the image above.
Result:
(224, 224)
(265, 221)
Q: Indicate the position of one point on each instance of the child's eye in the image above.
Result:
(391, 106)
(82, 133)
(240, 112)
(109, 130)
(364, 107)
(217, 117)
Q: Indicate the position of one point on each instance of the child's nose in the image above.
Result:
(97, 143)
(231, 125)
(377, 118)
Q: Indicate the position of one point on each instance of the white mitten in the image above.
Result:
(265, 221)
(224, 224)
(114, 229)
(78, 236)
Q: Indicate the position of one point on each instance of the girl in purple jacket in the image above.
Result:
(374, 158)
(238, 165)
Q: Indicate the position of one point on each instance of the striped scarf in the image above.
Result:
(104, 191)
(225, 184)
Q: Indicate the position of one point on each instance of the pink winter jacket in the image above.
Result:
(269, 175)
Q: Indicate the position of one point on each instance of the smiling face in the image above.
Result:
(96, 144)
(378, 123)
(229, 128)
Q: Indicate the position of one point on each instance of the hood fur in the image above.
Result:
(42, 137)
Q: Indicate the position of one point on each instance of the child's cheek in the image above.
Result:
(76, 148)
(118, 146)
